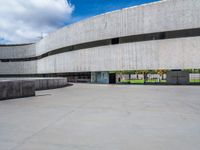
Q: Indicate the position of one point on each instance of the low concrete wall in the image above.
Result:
(50, 83)
(16, 89)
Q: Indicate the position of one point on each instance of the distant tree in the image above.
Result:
(161, 72)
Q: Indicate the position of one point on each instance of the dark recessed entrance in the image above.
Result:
(112, 78)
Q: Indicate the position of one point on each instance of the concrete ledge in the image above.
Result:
(16, 89)
(25, 87)
(50, 83)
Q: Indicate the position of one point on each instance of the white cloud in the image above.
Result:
(23, 21)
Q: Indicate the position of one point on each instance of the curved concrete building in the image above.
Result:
(160, 35)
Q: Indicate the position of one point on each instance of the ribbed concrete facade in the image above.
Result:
(164, 16)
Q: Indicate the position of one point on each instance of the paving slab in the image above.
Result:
(103, 117)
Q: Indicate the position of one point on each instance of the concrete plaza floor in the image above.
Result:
(103, 117)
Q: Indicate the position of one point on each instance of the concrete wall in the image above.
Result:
(149, 18)
(16, 89)
(24, 87)
(182, 53)
(28, 67)
(17, 51)
(50, 83)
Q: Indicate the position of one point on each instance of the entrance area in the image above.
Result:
(164, 77)
(112, 78)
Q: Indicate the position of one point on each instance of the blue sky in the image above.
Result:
(87, 8)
